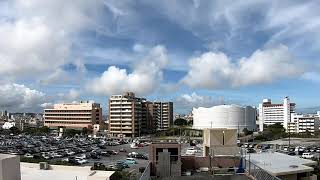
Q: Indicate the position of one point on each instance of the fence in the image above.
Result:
(258, 173)
(146, 173)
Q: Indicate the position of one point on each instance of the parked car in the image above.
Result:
(122, 163)
(308, 155)
(251, 150)
(28, 155)
(122, 150)
(130, 161)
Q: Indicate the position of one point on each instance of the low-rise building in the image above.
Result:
(281, 165)
(301, 123)
(73, 115)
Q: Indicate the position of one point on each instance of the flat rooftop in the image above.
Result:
(281, 164)
(31, 171)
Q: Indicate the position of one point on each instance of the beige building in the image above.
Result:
(73, 115)
(220, 142)
(301, 123)
(132, 116)
(125, 115)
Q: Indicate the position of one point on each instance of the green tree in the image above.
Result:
(180, 122)
(247, 132)
(15, 130)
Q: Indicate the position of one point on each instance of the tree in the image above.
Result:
(15, 130)
(180, 122)
(247, 132)
(85, 131)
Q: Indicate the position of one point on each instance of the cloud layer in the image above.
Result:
(215, 70)
(144, 78)
(16, 97)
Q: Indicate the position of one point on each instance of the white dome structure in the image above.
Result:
(225, 116)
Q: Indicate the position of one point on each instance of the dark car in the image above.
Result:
(251, 150)
(291, 153)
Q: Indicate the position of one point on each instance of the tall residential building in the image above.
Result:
(133, 116)
(73, 115)
(125, 115)
(165, 115)
(275, 113)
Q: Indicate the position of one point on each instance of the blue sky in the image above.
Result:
(194, 52)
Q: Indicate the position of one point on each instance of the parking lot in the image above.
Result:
(73, 151)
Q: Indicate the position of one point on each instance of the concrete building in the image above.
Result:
(220, 142)
(132, 116)
(31, 171)
(282, 165)
(275, 113)
(9, 167)
(165, 115)
(301, 123)
(225, 116)
(165, 159)
(73, 115)
(125, 115)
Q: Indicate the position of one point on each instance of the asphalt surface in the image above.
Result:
(122, 156)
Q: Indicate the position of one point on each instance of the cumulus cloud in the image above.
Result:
(17, 97)
(188, 101)
(70, 96)
(215, 70)
(37, 38)
(144, 78)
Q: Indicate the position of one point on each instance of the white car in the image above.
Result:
(28, 155)
(307, 155)
(81, 161)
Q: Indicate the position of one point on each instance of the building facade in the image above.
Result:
(275, 113)
(225, 116)
(125, 115)
(165, 115)
(301, 123)
(73, 115)
(132, 116)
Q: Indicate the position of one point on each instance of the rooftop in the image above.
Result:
(31, 171)
(281, 164)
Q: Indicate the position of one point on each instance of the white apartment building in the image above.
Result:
(275, 113)
(301, 123)
(125, 115)
(73, 115)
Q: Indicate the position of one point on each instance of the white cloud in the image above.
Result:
(188, 101)
(215, 70)
(312, 76)
(16, 97)
(37, 38)
(70, 96)
(144, 78)
(30, 47)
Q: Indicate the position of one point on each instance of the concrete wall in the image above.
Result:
(193, 162)
(9, 167)
(174, 166)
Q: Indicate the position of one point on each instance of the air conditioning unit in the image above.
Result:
(44, 165)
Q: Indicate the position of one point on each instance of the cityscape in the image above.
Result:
(159, 90)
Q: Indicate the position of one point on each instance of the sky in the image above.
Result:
(192, 52)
